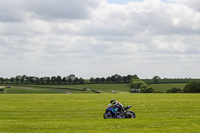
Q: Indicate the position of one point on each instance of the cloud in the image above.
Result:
(61, 9)
(96, 38)
(11, 11)
(194, 4)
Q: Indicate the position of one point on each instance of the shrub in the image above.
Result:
(192, 87)
(157, 91)
(174, 90)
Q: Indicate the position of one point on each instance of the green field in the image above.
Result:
(62, 113)
(49, 89)
(103, 88)
(165, 87)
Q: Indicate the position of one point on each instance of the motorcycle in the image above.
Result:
(114, 112)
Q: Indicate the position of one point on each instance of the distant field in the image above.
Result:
(49, 89)
(103, 88)
(61, 113)
(165, 87)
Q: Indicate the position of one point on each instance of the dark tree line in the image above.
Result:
(113, 79)
(71, 79)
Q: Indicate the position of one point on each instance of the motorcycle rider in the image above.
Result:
(118, 104)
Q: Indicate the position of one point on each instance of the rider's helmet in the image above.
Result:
(112, 101)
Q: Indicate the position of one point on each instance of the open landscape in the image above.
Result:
(69, 66)
(155, 113)
(102, 88)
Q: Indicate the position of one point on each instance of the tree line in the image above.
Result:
(71, 79)
(114, 79)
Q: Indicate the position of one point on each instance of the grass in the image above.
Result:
(104, 88)
(165, 87)
(155, 113)
(49, 89)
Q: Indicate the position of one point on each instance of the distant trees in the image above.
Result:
(113, 79)
(156, 79)
(1, 80)
(71, 79)
(141, 85)
(192, 87)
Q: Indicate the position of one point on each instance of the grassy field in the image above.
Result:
(62, 113)
(165, 87)
(49, 89)
(103, 88)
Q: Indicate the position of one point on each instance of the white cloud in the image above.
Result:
(95, 38)
(195, 4)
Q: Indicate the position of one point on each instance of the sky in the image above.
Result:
(99, 38)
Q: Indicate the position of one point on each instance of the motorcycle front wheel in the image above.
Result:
(131, 115)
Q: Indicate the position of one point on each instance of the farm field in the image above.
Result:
(166, 86)
(103, 88)
(49, 89)
(62, 113)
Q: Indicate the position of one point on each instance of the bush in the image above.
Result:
(157, 91)
(174, 90)
(192, 87)
(147, 90)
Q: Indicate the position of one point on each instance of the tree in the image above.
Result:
(58, 79)
(32, 80)
(139, 84)
(174, 90)
(53, 79)
(47, 79)
(192, 87)
(37, 80)
(135, 77)
(114, 78)
(136, 84)
(119, 79)
(81, 81)
(64, 80)
(156, 79)
(76, 81)
(23, 79)
(97, 80)
(103, 80)
(71, 78)
(108, 79)
(12, 80)
(41, 80)
(92, 80)
(1, 80)
(27, 79)
(18, 79)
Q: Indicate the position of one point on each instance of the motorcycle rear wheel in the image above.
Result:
(107, 115)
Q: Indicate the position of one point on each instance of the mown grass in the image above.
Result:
(51, 113)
